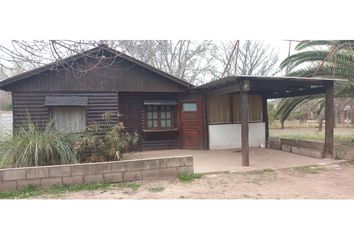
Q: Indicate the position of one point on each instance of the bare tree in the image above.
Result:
(189, 60)
(194, 61)
(26, 55)
(185, 59)
(252, 58)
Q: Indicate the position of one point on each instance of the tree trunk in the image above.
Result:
(320, 125)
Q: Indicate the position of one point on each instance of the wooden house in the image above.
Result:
(167, 112)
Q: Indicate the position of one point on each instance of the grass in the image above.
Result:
(131, 185)
(32, 191)
(187, 177)
(339, 153)
(341, 135)
(267, 170)
(156, 189)
(311, 169)
(258, 176)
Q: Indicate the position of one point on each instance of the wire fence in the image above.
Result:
(5, 122)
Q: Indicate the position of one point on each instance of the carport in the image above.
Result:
(271, 88)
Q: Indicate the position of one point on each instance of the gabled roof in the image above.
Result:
(75, 57)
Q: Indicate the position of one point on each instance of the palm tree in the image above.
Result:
(320, 58)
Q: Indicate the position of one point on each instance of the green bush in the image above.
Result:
(189, 177)
(106, 139)
(31, 146)
(339, 153)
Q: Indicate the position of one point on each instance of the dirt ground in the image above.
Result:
(334, 181)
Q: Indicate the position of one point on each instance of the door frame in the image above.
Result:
(198, 101)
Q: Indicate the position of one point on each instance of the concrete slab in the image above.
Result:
(208, 161)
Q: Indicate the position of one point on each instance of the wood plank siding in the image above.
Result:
(104, 84)
(122, 76)
(32, 103)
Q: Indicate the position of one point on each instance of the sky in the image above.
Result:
(280, 46)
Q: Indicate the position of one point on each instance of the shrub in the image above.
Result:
(31, 146)
(339, 153)
(106, 139)
(187, 177)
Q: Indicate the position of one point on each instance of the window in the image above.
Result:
(159, 116)
(254, 108)
(219, 109)
(69, 119)
(226, 108)
(189, 107)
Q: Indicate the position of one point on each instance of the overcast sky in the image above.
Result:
(280, 46)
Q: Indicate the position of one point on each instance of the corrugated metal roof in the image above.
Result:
(232, 79)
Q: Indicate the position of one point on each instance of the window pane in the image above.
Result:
(168, 108)
(163, 115)
(163, 123)
(149, 115)
(168, 115)
(155, 115)
(155, 123)
(189, 107)
(155, 108)
(168, 123)
(149, 108)
(149, 124)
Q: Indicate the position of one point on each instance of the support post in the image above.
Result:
(244, 122)
(265, 117)
(329, 125)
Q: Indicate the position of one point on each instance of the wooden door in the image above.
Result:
(191, 124)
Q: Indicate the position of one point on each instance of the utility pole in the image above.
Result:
(236, 46)
(287, 66)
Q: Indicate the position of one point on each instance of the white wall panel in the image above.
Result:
(225, 136)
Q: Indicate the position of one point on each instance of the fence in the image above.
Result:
(112, 172)
(5, 122)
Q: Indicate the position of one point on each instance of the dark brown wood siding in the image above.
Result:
(120, 76)
(32, 104)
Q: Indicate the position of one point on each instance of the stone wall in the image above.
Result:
(306, 148)
(112, 172)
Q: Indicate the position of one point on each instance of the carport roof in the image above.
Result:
(271, 87)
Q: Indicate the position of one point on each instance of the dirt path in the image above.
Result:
(333, 181)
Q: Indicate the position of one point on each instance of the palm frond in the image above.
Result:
(303, 57)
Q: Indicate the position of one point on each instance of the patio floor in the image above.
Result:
(207, 161)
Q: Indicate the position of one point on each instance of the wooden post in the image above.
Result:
(265, 117)
(205, 122)
(329, 125)
(244, 122)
